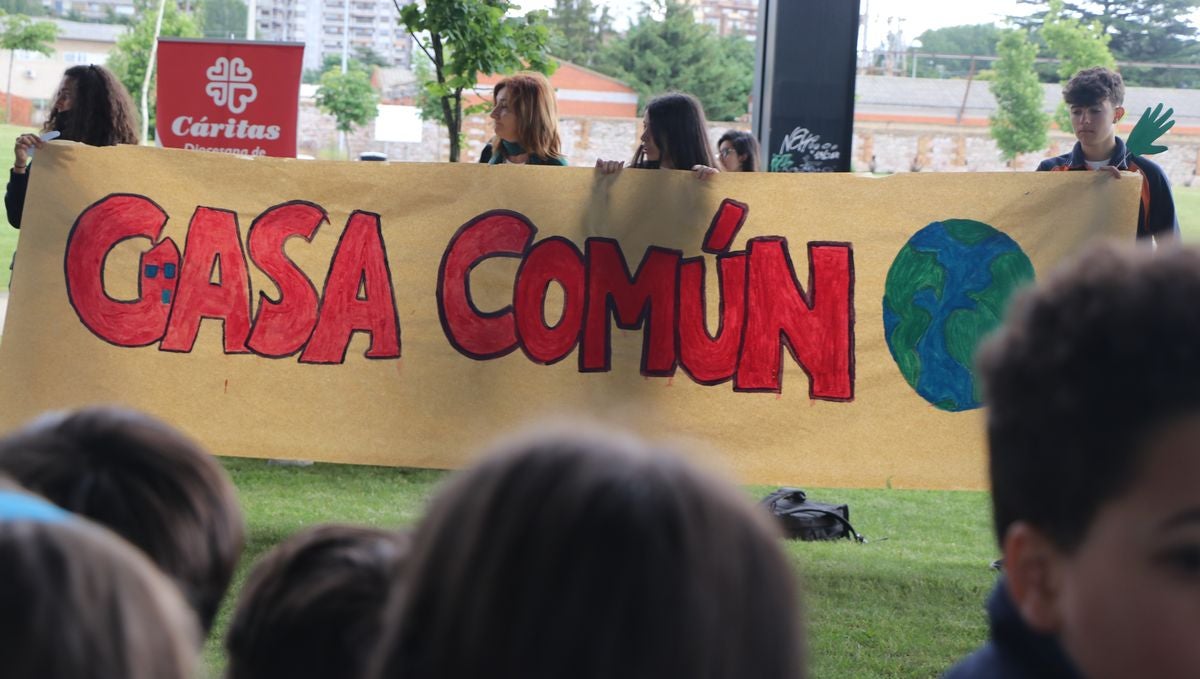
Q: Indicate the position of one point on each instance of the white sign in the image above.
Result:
(398, 123)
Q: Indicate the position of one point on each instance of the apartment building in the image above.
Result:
(97, 10)
(728, 17)
(324, 26)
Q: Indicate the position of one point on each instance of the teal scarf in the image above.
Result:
(508, 149)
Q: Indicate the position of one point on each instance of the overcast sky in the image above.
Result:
(917, 15)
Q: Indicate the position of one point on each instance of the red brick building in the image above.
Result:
(580, 91)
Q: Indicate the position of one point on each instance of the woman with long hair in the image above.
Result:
(674, 137)
(737, 151)
(525, 117)
(91, 107)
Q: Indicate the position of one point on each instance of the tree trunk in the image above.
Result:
(439, 69)
(12, 57)
(456, 136)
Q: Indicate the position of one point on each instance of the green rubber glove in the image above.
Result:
(1149, 128)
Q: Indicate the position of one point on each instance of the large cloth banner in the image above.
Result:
(799, 328)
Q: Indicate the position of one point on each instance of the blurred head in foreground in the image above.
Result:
(1093, 390)
(78, 601)
(145, 481)
(592, 555)
(313, 606)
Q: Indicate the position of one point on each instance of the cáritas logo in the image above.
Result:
(229, 84)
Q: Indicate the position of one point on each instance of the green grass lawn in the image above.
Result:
(9, 134)
(1187, 208)
(907, 604)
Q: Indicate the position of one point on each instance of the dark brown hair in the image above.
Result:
(78, 601)
(744, 144)
(313, 606)
(1094, 85)
(145, 481)
(679, 130)
(592, 556)
(101, 112)
(1086, 367)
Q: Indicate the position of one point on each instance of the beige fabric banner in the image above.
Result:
(805, 329)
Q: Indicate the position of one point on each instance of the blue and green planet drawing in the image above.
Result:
(946, 289)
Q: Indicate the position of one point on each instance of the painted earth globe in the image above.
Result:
(946, 289)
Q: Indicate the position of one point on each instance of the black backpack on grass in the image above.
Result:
(803, 519)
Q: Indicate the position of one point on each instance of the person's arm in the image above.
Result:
(14, 195)
(1163, 222)
(18, 177)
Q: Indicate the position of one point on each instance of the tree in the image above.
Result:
(224, 18)
(111, 16)
(972, 39)
(348, 97)
(23, 33)
(27, 7)
(369, 57)
(1077, 45)
(1018, 125)
(677, 53)
(728, 92)
(464, 38)
(131, 55)
(1140, 30)
(579, 32)
(313, 76)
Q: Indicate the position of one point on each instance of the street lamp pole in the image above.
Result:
(345, 61)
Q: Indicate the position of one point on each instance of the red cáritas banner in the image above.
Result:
(229, 96)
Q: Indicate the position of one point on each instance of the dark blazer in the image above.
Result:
(1013, 650)
(1157, 216)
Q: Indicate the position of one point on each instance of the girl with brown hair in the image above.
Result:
(91, 107)
(592, 556)
(525, 117)
(737, 151)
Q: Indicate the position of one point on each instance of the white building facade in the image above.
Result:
(324, 26)
(728, 17)
(35, 76)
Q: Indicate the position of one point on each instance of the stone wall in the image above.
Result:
(584, 139)
(878, 147)
(885, 148)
